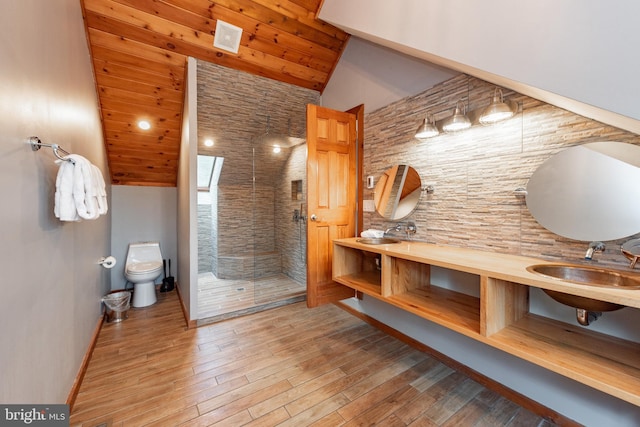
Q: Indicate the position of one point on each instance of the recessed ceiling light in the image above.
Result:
(208, 142)
(144, 125)
(276, 149)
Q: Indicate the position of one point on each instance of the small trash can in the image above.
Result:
(117, 305)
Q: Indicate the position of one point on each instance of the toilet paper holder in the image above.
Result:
(107, 262)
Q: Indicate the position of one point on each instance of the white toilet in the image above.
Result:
(143, 267)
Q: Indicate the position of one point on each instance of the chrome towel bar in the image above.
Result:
(36, 144)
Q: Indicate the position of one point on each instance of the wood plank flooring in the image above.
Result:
(289, 366)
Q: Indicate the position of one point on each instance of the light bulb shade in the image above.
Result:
(426, 130)
(497, 111)
(459, 120)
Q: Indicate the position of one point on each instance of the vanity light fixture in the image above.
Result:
(427, 129)
(144, 125)
(458, 121)
(497, 111)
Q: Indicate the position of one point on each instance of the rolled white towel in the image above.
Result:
(64, 206)
(372, 232)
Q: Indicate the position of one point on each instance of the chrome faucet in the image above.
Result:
(594, 247)
(397, 227)
(409, 229)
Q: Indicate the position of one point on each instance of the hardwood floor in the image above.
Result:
(289, 366)
(217, 297)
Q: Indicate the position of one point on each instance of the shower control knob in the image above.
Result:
(313, 217)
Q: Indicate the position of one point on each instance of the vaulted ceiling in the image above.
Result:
(139, 50)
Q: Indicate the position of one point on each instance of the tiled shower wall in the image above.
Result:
(241, 111)
(291, 235)
(475, 172)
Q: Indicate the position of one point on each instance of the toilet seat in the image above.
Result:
(143, 267)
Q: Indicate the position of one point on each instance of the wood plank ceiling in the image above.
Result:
(139, 50)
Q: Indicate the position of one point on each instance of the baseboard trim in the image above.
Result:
(75, 388)
(190, 323)
(514, 396)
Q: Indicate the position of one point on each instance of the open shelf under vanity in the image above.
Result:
(401, 274)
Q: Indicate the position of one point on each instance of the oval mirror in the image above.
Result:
(589, 192)
(397, 192)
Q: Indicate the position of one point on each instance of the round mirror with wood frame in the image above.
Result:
(398, 192)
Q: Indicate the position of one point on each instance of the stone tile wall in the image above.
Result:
(476, 171)
(205, 245)
(251, 214)
(291, 239)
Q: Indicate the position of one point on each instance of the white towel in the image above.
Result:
(372, 232)
(84, 189)
(101, 192)
(65, 207)
(80, 190)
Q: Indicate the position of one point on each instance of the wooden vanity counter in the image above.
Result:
(400, 274)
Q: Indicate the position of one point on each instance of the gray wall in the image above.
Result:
(51, 282)
(473, 205)
(143, 214)
(373, 71)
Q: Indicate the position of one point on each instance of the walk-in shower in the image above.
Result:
(252, 189)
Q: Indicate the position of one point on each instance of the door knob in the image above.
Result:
(313, 217)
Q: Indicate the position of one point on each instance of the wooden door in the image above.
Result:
(331, 197)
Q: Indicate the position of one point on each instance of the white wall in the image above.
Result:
(187, 197)
(142, 214)
(51, 283)
(574, 400)
(575, 54)
(372, 71)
